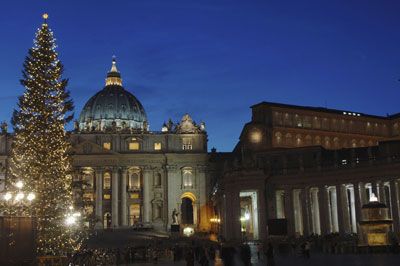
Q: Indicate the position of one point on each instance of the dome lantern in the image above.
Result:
(113, 76)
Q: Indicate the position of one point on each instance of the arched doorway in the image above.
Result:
(187, 211)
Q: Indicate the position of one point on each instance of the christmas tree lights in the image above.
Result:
(39, 154)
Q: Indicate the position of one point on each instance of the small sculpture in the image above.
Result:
(76, 125)
(3, 127)
(175, 217)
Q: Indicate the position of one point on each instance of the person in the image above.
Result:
(245, 254)
(189, 258)
(259, 249)
(307, 250)
(270, 255)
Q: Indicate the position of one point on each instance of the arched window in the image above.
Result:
(134, 181)
(106, 181)
(317, 140)
(336, 142)
(87, 178)
(327, 142)
(187, 178)
(353, 143)
(288, 139)
(362, 143)
(308, 140)
(370, 143)
(278, 138)
(298, 140)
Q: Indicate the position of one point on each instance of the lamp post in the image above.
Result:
(17, 226)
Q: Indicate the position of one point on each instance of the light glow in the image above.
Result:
(19, 184)
(373, 198)
(7, 196)
(31, 196)
(19, 196)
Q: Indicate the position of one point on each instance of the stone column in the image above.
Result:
(343, 209)
(334, 209)
(363, 194)
(305, 210)
(395, 198)
(357, 204)
(381, 189)
(289, 214)
(114, 198)
(99, 196)
(324, 210)
(124, 207)
(374, 186)
(147, 175)
(315, 212)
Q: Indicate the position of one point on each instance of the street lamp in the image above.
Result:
(17, 197)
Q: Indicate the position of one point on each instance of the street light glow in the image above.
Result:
(7, 196)
(19, 196)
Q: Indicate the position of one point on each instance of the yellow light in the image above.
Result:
(45, 16)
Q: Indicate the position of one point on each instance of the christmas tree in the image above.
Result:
(39, 155)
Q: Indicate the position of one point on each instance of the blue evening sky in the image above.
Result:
(215, 58)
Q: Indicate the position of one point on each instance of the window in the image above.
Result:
(157, 146)
(107, 145)
(106, 181)
(187, 144)
(107, 196)
(134, 146)
(134, 195)
(187, 178)
(278, 138)
(87, 180)
(134, 181)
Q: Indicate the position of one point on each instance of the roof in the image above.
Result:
(323, 109)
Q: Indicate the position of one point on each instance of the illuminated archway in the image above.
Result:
(189, 195)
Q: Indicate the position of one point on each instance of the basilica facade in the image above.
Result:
(126, 175)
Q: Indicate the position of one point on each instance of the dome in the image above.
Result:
(112, 108)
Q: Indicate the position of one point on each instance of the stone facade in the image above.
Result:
(127, 175)
(298, 171)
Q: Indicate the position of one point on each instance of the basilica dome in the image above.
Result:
(112, 108)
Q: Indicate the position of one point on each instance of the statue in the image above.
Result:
(3, 127)
(76, 125)
(175, 217)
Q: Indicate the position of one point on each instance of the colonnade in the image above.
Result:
(335, 208)
(119, 195)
